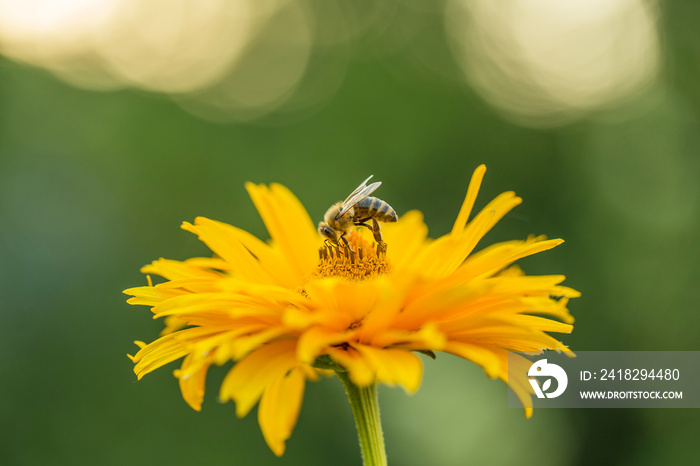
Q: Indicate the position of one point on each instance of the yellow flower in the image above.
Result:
(286, 309)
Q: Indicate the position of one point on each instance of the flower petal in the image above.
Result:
(279, 408)
(407, 237)
(428, 337)
(497, 257)
(157, 354)
(478, 354)
(192, 381)
(289, 226)
(517, 365)
(367, 365)
(492, 331)
(394, 366)
(250, 376)
(220, 239)
(358, 368)
(313, 342)
(150, 295)
(342, 303)
(444, 255)
(195, 267)
(469, 199)
(270, 258)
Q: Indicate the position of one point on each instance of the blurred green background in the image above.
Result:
(121, 119)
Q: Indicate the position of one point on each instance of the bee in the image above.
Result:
(354, 211)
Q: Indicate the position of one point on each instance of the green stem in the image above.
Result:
(365, 409)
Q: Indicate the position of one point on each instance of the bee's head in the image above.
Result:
(328, 233)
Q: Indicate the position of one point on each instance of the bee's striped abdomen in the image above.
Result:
(372, 207)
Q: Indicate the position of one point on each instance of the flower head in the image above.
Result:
(286, 310)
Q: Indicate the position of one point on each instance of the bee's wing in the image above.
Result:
(358, 189)
(357, 195)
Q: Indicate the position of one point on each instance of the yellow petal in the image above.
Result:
(192, 384)
(518, 366)
(289, 226)
(173, 270)
(495, 362)
(394, 366)
(194, 303)
(444, 255)
(220, 239)
(480, 355)
(279, 408)
(209, 263)
(249, 377)
(157, 354)
(495, 258)
(491, 331)
(428, 337)
(261, 292)
(313, 341)
(270, 258)
(438, 304)
(341, 302)
(469, 200)
(531, 285)
(539, 323)
(389, 303)
(150, 295)
(172, 324)
(367, 365)
(357, 366)
(192, 284)
(406, 238)
(243, 345)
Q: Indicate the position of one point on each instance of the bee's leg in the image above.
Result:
(381, 245)
(329, 245)
(363, 223)
(345, 240)
(376, 231)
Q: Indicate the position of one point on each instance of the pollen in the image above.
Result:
(361, 261)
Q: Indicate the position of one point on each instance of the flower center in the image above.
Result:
(362, 260)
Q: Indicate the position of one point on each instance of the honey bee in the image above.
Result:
(356, 210)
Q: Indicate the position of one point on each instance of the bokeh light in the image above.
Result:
(267, 74)
(540, 63)
(58, 35)
(547, 63)
(245, 55)
(176, 46)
